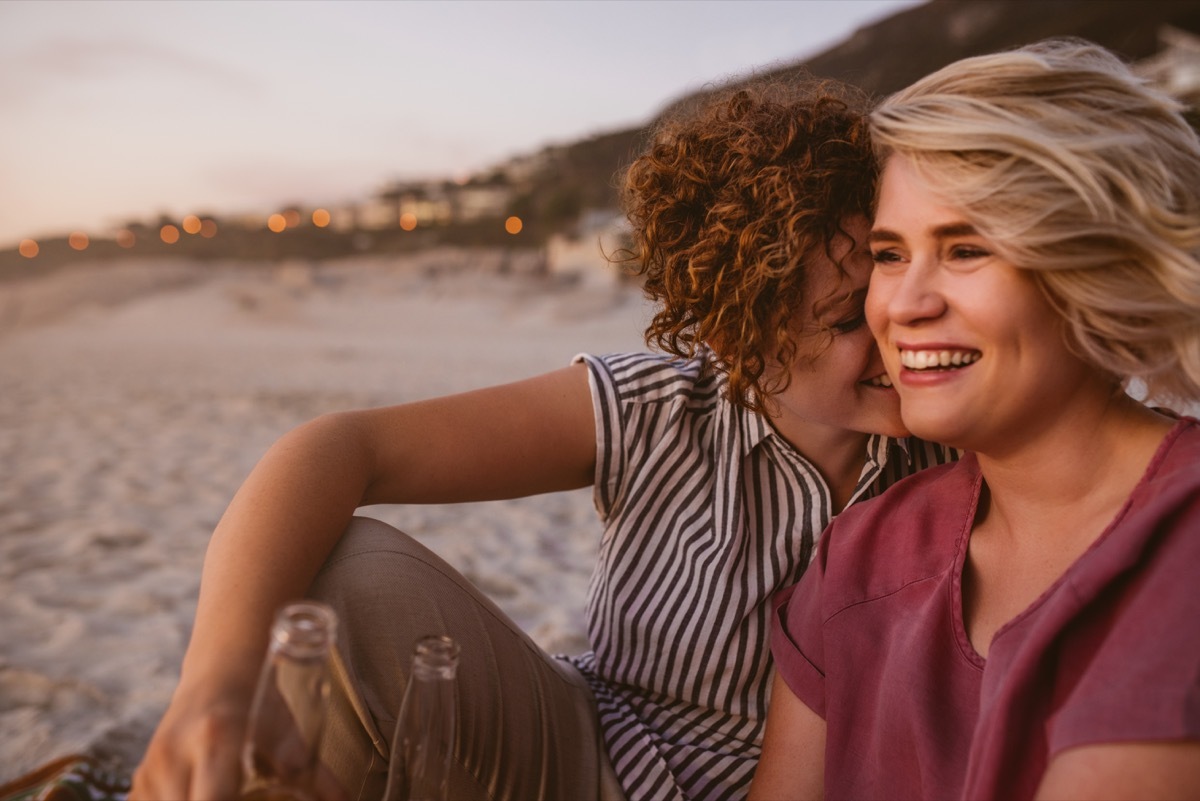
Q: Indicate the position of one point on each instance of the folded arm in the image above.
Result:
(508, 441)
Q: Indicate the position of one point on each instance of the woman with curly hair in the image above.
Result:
(714, 466)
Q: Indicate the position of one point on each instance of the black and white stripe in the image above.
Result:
(707, 513)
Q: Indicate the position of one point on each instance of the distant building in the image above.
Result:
(479, 201)
(377, 214)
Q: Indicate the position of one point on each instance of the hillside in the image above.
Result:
(894, 52)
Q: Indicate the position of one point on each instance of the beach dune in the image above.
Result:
(136, 398)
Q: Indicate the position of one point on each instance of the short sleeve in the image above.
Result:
(610, 432)
(797, 634)
(640, 401)
(1137, 654)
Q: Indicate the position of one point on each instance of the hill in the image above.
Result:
(894, 52)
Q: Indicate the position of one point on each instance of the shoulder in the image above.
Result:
(1178, 458)
(908, 533)
(1168, 496)
(654, 377)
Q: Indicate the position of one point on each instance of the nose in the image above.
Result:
(913, 295)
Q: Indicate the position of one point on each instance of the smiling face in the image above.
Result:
(838, 387)
(973, 346)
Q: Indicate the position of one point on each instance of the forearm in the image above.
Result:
(270, 543)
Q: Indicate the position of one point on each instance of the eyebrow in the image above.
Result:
(947, 231)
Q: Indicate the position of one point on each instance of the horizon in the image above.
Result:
(121, 111)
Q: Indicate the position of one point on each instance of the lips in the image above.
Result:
(938, 358)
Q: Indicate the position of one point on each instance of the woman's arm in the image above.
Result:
(792, 765)
(518, 439)
(1159, 770)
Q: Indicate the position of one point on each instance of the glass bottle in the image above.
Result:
(287, 716)
(424, 740)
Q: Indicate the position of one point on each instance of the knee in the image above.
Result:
(369, 552)
(365, 535)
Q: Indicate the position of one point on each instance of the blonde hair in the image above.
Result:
(1075, 169)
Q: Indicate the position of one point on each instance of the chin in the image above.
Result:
(935, 431)
(888, 426)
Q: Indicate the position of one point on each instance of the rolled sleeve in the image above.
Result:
(797, 637)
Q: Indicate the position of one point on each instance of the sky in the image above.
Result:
(121, 110)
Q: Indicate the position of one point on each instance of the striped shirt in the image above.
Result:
(707, 512)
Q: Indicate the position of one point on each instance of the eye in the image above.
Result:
(850, 324)
(887, 260)
(968, 252)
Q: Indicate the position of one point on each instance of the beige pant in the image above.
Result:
(527, 722)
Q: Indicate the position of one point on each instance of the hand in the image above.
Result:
(195, 752)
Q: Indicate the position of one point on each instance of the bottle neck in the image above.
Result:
(435, 659)
(304, 631)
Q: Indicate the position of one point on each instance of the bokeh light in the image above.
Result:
(513, 225)
(169, 234)
(126, 238)
(292, 218)
(277, 222)
(408, 221)
(208, 229)
(28, 248)
(191, 224)
(78, 240)
(320, 218)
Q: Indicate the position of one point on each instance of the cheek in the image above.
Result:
(875, 307)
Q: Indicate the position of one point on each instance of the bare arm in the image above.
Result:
(518, 439)
(792, 765)
(1158, 770)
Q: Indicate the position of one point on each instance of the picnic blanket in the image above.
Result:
(76, 777)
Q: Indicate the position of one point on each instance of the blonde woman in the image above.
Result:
(1022, 624)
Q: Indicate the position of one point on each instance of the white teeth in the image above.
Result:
(880, 381)
(930, 359)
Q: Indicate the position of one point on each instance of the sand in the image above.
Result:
(137, 396)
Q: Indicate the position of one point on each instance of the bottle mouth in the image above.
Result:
(435, 656)
(305, 628)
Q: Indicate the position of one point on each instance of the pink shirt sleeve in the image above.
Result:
(1137, 661)
(796, 634)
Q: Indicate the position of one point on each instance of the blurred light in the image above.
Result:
(208, 229)
(191, 224)
(292, 217)
(169, 234)
(320, 218)
(276, 222)
(125, 238)
(513, 225)
(28, 248)
(78, 240)
(408, 221)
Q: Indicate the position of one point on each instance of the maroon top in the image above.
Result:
(873, 640)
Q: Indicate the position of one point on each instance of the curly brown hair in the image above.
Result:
(725, 205)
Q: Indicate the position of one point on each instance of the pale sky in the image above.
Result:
(118, 110)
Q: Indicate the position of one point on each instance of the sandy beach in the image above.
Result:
(137, 396)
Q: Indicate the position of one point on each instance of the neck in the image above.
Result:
(836, 453)
(1074, 474)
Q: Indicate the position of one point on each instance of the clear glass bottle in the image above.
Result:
(287, 716)
(424, 740)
